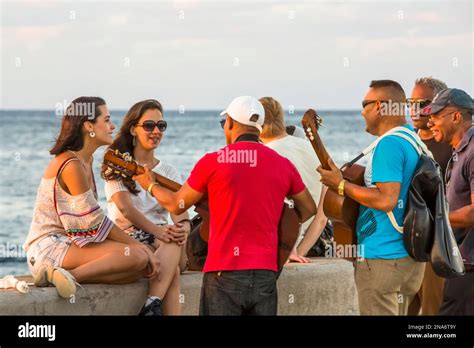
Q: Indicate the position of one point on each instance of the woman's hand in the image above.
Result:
(180, 232)
(294, 257)
(145, 179)
(164, 234)
(153, 267)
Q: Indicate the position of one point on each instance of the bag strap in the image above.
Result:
(418, 144)
(401, 132)
(60, 170)
(420, 148)
(369, 148)
(394, 222)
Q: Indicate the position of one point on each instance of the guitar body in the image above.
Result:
(343, 211)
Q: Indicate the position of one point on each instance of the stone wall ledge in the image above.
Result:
(323, 287)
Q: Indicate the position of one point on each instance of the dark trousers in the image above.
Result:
(458, 296)
(249, 292)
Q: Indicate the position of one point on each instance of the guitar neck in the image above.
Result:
(163, 181)
(320, 150)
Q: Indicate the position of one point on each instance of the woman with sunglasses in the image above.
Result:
(70, 238)
(139, 214)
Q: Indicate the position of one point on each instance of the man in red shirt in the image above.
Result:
(246, 183)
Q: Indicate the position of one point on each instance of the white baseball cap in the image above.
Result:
(246, 110)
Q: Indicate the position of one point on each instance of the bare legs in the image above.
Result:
(167, 285)
(183, 259)
(108, 262)
(112, 262)
(171, 304)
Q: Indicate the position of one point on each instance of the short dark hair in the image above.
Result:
(386, 83)
(391, 89)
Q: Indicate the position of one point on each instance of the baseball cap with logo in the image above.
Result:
(246, 110)
(447, 97)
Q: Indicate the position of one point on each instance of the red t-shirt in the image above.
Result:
(246, 183)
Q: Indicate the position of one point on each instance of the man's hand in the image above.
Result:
(145, 179)
(331, 178)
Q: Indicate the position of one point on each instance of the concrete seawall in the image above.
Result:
(324, 287)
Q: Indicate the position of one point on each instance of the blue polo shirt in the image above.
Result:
(393, 160)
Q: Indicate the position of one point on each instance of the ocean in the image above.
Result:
(27, 136)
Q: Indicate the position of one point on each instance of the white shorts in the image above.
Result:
(49, 250)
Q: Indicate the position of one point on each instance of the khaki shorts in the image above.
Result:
(49, 250)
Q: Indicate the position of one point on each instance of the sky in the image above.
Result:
(202, 54)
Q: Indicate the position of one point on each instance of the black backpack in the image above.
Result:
(427, 233)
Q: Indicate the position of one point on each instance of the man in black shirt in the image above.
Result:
(450, 120)
(430, 296)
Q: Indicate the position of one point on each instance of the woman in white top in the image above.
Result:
(70, 239)
(138, 213)
(301, 154)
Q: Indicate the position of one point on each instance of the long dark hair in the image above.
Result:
(124, 140)
(80, 110)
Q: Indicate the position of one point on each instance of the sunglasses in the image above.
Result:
(149, 125)
(421, 102)
(222, 122)
(367, 102)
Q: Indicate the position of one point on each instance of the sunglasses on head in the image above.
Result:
(422, 102)
(149, 125)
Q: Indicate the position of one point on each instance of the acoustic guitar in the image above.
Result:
(341, 210)
(288, 227)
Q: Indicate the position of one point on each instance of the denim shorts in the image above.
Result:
(142, 236)
(50, 250)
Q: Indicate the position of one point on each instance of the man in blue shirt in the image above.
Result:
(386, 277)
